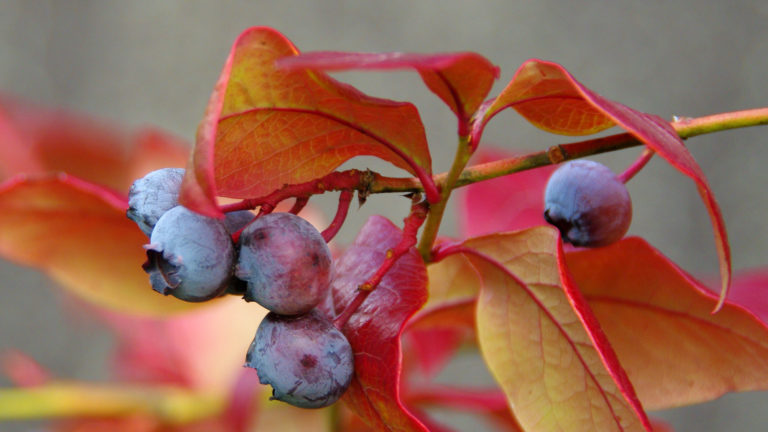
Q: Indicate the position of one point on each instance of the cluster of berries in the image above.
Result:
(279, 261)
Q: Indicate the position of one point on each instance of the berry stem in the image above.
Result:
(412, 223)
(636, 166)
(341, 214)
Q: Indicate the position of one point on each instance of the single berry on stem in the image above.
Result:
(153, 195)
(286, 263)
(308, 362)
(341, 214)
(190, 256)
(588, 203)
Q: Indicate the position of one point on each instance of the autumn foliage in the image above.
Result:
(576, 339)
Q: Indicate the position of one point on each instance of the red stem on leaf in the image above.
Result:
(341, 214)
(637, 165)
(413, 222)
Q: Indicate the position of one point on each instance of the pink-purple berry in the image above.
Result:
(308, 362)
(286, 263)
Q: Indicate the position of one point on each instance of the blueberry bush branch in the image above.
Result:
(685, 127)
(368, 182)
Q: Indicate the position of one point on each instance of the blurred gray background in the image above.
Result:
(151, 62)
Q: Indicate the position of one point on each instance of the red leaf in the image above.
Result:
(374, 329)
(750, 291)
(448, 318)
(77, 232)
(267, 127)
(508, 203)
(35, 140)
(550, 98)
(659, 322)
(540, 340)
(434, 334)
(461, 80)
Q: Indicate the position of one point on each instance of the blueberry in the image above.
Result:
(286, 263)
(190, 256)
(307, 361)
(587, 203)
(153, 195)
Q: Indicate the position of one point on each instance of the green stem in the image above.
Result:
(436, 210)
(688, 127)
(168, 404)
(685, 127)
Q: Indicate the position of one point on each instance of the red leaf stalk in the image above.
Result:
(413, 222)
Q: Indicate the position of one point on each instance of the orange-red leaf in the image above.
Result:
(544, 93)
(448, 318)
(374, 329)
(659, 321)
(540, 340)
(78, 233)
(36, 140)
(461, 80)
(551, 99)
(266, 127)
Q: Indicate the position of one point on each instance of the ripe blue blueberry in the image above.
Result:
(286, 263)
(587, 203)
(190, 256)
(307, 361)
(153, 195)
